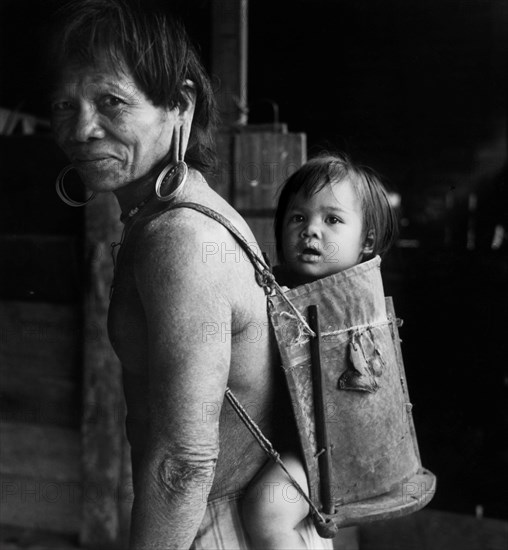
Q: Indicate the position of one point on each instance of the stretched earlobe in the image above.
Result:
(189, 94)
(184, 126)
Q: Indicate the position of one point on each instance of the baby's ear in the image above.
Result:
(368, 245)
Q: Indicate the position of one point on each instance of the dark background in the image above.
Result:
(418, 90)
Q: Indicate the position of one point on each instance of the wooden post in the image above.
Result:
(103, 416)
(261, 161)
(229, 59)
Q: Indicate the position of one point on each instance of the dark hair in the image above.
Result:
(153, 46)
(379, 218)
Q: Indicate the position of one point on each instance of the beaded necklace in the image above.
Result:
(116, 246)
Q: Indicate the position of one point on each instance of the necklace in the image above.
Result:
(116, 246)
(115, 249)
(124, 218)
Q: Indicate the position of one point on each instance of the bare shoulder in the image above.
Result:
(183, 239)
(186, 252)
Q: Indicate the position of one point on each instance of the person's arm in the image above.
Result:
(180, 293)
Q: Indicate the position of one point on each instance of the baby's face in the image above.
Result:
(322, 234)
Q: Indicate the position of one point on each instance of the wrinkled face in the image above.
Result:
(109, 129)
(323, 234)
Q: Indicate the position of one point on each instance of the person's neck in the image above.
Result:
(136, 192)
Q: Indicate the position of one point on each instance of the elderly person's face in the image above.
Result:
(108, 128)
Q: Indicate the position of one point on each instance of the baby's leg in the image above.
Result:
(273, 507)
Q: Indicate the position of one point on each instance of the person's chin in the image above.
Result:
(310, 270)
(101, 175)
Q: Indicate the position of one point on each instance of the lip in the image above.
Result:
(309, 254)
(310, 247)
(89, 154)
(83, 159)
(311, 250)
(93, 162)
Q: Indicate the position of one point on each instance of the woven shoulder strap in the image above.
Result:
(264, 276)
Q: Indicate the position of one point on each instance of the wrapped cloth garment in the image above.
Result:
(222, 528)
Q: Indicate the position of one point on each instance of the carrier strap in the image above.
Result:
(268, 448)
(264, 275)
(266, 280)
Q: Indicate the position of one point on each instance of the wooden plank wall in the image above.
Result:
(40, 471)
(41, 337)
(253, 164)
(64, 464)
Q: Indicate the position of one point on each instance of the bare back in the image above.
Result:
(188, 318)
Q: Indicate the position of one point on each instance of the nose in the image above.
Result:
(87, 125)
(311, 229)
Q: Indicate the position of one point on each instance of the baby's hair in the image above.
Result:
(379, 218)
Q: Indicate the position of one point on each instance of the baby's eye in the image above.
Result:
(296, 218)
(333, 220)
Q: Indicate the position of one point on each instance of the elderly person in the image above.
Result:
(133, 110)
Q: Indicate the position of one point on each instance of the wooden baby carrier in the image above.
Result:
(340, 349)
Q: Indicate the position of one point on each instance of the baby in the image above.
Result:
(331, 215)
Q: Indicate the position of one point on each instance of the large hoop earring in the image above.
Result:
(62, 193)
(171, 173)
(174, 174)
